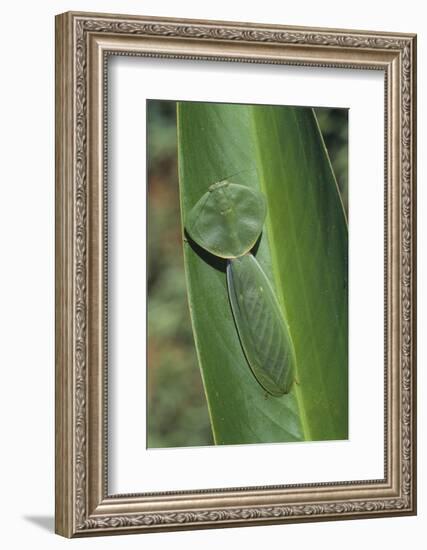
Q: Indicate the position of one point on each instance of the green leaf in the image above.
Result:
(302, 250)
(309, 248)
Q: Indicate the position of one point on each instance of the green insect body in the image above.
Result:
(262, 330)
(227, 221)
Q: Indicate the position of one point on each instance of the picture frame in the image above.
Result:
(84, 42)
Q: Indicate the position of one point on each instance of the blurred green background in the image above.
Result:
(176, 407)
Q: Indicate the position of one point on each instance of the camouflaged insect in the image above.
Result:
(227, 221)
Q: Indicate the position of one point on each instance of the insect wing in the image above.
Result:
(262, 330)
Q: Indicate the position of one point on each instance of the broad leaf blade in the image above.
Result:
(215, 142)
(309, 247)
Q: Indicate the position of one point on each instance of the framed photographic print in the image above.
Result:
(235, 274)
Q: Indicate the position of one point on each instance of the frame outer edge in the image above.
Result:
(160, 20)
(64, 237)
(415, 267)
(74, 512)
(413, 217)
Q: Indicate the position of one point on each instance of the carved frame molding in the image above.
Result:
(83, 43)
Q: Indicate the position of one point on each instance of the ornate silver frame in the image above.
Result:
(83, 42)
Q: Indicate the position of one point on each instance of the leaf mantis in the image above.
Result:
(227, 222)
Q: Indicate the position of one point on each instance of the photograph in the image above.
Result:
(247, 274)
